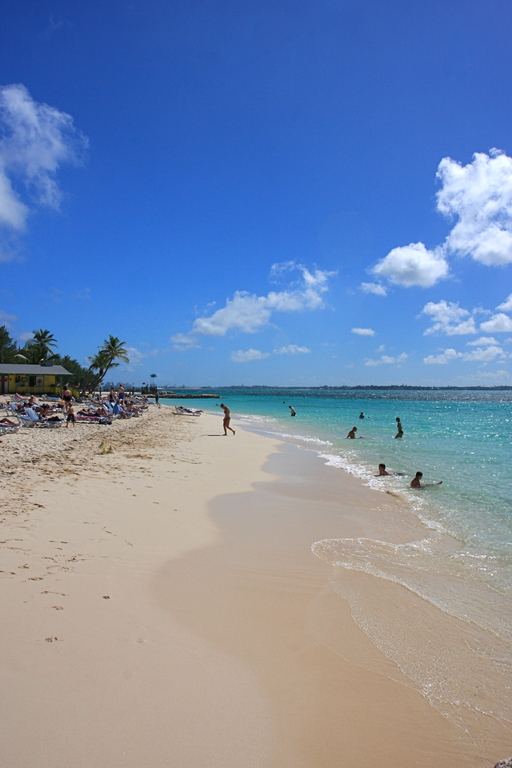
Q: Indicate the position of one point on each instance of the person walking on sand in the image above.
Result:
(227, 419)
(120, 394)
(416, 482)
(71, 417)
(400, 432)
(66, 396)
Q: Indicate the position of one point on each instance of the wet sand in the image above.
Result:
(162, 606)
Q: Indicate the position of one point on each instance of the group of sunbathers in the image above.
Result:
(100, 410)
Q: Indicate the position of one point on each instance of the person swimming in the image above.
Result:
(416, 481)
(400, 432)
(292, 410)
(352, 435)
(383, 471)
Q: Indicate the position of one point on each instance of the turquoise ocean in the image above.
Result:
(460, 569)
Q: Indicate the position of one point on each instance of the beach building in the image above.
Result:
(32, 379)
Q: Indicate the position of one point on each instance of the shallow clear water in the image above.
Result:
(463, 564)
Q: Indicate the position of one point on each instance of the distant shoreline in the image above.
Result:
(400, 387)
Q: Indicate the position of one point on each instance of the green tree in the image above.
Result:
(8, 347)
(39, 348)
(108, 354)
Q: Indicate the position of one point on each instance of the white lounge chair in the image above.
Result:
(181, 411)
(5, 429)
(31, 419)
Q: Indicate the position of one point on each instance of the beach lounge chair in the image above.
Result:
(31, 419)
(181, 411)
(5, 429)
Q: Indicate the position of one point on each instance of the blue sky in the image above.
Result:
(290, 193)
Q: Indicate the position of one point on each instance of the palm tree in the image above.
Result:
(106, 358)
(38, 348)
(115, 350)
(153, 376)
(41, 345)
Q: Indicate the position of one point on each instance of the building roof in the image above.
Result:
(22, 369)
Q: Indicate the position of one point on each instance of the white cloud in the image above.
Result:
(376, 288)
(182, 341)
(478, 355)
(250, 354)
(387, 360)
(13, 213)
(6, 319)
(35, 140)
(23, 336)
(292, 349)
(484, 355)
(480, 195)
(499, 323)
(449, 318)
(249, 313)
(413, 265)
(506, 306)
(363, 331)
(137, 357)
(483, 341)
(445, 357)
(494, 376)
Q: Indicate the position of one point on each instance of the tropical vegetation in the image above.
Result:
(41, 349)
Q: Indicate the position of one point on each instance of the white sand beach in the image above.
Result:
(162, 607)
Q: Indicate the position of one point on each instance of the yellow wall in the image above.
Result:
(42, 383)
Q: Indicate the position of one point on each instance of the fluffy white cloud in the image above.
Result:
(35, 140)
(413, 265)
(376, 288)
(387, 360)
(499, 323)
(478, 355)
(13, 213)
(483, 341)
(250, 354)
(449, 318)
(292, 349)
(254, 354)
(249, 313)
(363, 331)
(244, 312)
(506, 306)
(480, 195)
